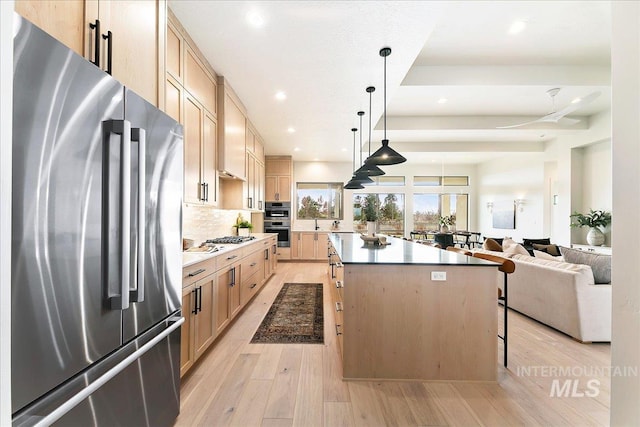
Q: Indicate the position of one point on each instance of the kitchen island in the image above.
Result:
(413, 312)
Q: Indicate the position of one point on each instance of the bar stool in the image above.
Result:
(507, 267)
(460, 251)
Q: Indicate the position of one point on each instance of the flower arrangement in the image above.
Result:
(447, 220)
(244, 224)
(593, 219)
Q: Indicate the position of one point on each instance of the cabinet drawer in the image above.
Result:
(227, 258)
(249, 286)
(252, 263)
(198, 271)
(251, 248)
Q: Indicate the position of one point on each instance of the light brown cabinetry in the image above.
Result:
(278, 171)
(308, 245)
(231, 147)
(191, 99)
(215, 291)
(133, 31)
(198, 309)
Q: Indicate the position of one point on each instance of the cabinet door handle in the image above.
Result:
(253, 264)
(338, 332)
(201, 196)
(253, 286)
(195, 273)
(338, 306)
(233, 277)
(96, 46)
(199, 307)
(232, 257)
(195, 301)
(206, 191)
(250, 202)
(109, 38)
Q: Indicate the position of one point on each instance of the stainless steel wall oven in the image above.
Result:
(277, 219)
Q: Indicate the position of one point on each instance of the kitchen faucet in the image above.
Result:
(317, 226)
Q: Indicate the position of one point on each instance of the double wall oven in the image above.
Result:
(277, 219)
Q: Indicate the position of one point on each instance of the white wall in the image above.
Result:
(341, 172)
(625, 344)
(6, 89)
(503, 180)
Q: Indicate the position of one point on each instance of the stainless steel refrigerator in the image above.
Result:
(96, 245)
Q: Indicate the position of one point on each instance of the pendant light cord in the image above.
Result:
(385, 97)
(360, 147)
(354, 148)
(370, 95)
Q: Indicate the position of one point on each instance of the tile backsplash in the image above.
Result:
(202, 222)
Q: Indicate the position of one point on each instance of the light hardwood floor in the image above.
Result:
(242, 384)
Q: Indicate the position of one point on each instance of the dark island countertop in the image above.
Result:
(352, 250)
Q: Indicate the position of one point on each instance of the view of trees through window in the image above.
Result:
(319, 200)
(388, 211)
(427, 209)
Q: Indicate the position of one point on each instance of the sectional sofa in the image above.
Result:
(561, 295)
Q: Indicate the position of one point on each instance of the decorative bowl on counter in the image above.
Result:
(374, 239)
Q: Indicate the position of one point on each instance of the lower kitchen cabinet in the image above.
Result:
(215, 291)
(198, 332)
(308, 245)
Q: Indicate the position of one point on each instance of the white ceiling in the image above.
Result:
(323, 54)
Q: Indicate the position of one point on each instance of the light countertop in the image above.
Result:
(353, 250)
(190, 258)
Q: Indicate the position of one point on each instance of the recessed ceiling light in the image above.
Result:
(281, 96)
(296, 149)
(442, 100)
(255, 19)
(517, 27)
(290, 130)
(576, 100)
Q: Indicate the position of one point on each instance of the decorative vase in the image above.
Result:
(243, 231)
(595, 237)
(371, 227)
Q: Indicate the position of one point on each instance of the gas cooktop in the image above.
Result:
(230, 240)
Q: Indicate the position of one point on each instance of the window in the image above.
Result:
(389, 208)
(436, 181)
(385, 180)
(321, 200)
(427, 208)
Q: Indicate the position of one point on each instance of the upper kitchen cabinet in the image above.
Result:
(64, 20)
(198, 81)
(232, 133)
(278, 178)
(124, 38)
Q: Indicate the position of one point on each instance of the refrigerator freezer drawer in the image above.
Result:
(137, 394)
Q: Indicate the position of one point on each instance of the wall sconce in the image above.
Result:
(519, 204)
(490, 207)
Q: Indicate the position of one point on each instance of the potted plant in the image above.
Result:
(244, 228)
(370, 212)
(594, 220)
(446, 222)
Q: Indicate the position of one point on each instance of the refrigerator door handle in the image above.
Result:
(122, 128)
(67, 406)
(139, 136)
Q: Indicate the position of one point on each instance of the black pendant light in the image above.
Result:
(370, 169)
(362, 175)
(385, 155)
(353, 184)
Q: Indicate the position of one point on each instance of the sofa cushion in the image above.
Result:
(550, 249)
(600, 264)
(492, 245)
(496, 253)
(498, 240)
(546, 255)
(513, 247)
(530, 242)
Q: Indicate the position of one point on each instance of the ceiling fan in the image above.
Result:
(555, 116)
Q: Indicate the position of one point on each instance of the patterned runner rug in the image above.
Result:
(294, 317)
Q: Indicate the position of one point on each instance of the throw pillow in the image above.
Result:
(530, 242)
(600, 264)
(547, 256)
(491, 245)
(550, 249)
(516, 249)
(498, 240)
